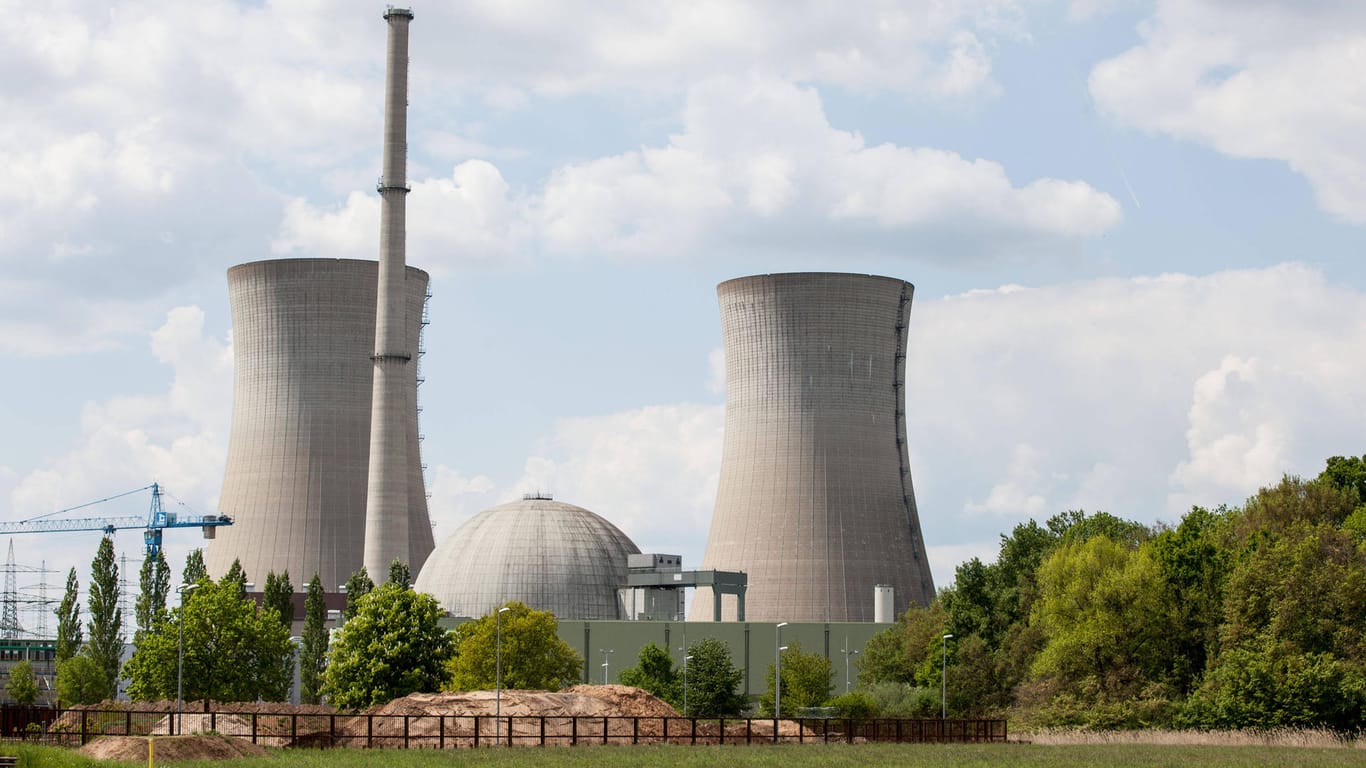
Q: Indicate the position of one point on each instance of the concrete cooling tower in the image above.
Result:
(815, 501)
(295, 481)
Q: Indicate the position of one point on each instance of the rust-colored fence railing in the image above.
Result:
(422, 731)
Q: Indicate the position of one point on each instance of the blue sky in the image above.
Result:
(1135, 229)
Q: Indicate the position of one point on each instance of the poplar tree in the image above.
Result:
(279, 594)
(194, 568)
(400, 574)
(238, 575)
(313, 654)
(69, 636)
(358, 586)
(105, 626)
(154, 582)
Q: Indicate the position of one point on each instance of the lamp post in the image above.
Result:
(498, 678)
(777, 671)
(847, 653)
(605, 662)
(686, 659)
(944, 681)
(183, 589)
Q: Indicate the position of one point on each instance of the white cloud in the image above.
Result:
(455, 497)
(930, 48)
(757, 163)
(652, 471)
(1259, 79)
(178, 438)
(1138, 396)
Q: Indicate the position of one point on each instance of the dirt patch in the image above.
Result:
(134, 748)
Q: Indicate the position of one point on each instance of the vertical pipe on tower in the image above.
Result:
(386, 505)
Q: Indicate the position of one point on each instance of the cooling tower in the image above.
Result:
(295, 482)
(815, 501)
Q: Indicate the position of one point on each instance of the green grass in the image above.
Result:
(787, 756)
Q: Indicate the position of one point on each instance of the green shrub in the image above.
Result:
(855, 704)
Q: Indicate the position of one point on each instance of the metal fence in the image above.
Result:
(429, 731)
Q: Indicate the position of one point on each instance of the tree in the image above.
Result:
(358, 586)
(1347, 472)
(105, 627)
(232, 651)
(534, 656)
(313, 654)
(655, 672)
(279, 594)
(22, 687)
(806, 681)
(195, 571)
(1193, 559)
(392, 647)
(1102, 609)
(69, 635)
(713, 680)
(81, 681)
(399, 574)
(154, 583)
(236, 575)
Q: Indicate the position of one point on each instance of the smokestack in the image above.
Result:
(387, 518)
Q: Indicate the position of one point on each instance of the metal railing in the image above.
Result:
(429, 731)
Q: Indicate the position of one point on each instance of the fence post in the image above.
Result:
(293, 729)
(369, 731)
(331, 730)
(635, 730)
(510, 730)
(476, 731)
(574, 731)
(83, 732)
(405, 731)
(253, 727)
(849, 730)
(543, 730)
(440, 731)
(721, 737)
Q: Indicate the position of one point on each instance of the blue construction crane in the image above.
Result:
(157, 519)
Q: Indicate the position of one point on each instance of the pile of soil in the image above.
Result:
(615, 704)
(134, 748)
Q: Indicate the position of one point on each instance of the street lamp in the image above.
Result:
(605, 652)
(498, 682)
(686, 659)
(183, 589)
(778, 671)
(944, 681)
(847, 653)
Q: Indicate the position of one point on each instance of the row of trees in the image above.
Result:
(1236, 617)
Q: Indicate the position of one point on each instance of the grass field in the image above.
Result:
(787, 756)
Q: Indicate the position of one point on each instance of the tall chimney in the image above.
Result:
(386, 504)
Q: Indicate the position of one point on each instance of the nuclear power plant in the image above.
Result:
(324, 472)
(815, 517)
(815, 501)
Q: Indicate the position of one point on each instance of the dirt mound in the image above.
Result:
(192, 723)
(628, 701)
(451, 718)
(134, 748)
(580, 701)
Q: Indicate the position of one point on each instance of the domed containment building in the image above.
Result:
(548, 554)
(815, 502)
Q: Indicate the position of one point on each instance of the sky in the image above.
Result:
(1135, 229)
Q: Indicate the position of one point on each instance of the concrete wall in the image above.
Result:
(295, 478)
(815, 501)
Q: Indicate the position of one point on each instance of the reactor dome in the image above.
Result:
(548, 554)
